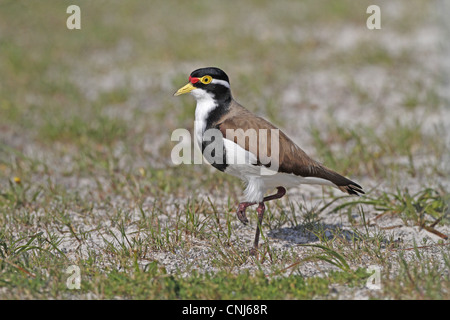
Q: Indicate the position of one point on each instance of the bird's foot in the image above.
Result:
(241, 212)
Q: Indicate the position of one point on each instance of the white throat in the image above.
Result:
(205, 104)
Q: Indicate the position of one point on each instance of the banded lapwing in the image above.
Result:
(236, 141)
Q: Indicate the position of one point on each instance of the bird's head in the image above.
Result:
(211, 81)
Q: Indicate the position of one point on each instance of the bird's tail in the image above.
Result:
(352, 188)
(341, 182)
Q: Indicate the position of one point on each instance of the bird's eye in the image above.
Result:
(206, 79)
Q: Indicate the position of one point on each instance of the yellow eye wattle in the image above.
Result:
(206, 79)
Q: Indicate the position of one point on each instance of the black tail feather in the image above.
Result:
(352, 188)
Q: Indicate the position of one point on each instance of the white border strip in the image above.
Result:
(222, 82)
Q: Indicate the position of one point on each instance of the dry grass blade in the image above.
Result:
(18, 267)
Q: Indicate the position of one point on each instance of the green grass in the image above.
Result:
(362, 150)
(85, 171)
(153, 282)
(220, 286)
(411, 284)
(426, 209)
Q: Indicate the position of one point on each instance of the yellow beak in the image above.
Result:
(187, 88)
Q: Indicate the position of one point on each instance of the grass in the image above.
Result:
(153, 282)
(412, 285)
(425, 209)
(86, 177)
(362, 149)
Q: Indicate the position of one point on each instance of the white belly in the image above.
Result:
(258, 181)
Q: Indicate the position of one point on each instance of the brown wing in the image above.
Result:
(273, 148)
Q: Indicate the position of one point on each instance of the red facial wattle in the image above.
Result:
(193, 80)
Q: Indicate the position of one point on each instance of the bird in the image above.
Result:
(236, 141)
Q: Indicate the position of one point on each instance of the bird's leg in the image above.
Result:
(280, 193)
(243, 205)
(260, 210)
